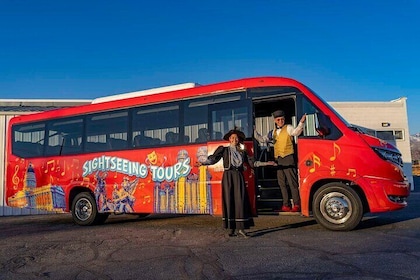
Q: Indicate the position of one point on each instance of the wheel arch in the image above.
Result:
(75, 191)
(317, 185)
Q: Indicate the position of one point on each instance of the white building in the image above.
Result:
(387, 120)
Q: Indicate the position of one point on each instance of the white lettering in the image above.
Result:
(125, 166)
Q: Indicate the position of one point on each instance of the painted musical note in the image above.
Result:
(15, 178)
(351, 171)
(316, 161)
(332, 169)
(146, 199)
(64, 169)
(58, 169)
(336, 150)
(50, 162)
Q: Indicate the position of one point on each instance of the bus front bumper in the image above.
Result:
(389, 195)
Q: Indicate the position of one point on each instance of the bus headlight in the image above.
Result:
(389, 155)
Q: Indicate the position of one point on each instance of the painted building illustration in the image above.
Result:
(189, 195)
(48, 197)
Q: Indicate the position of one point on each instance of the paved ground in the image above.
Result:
(385, 246)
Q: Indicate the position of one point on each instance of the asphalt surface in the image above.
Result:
(385, 246)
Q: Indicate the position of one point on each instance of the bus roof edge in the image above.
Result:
(144, 92)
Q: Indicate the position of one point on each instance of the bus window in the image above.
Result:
(156, 125)
(196, 121)
(64, 137)
(196, 118)
(318, 124)
(106, 131)
(28, 140)
(227, 116)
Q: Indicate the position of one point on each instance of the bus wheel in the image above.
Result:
(337, 207)
(84, 209)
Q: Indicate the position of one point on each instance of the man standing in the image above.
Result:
(282, 139)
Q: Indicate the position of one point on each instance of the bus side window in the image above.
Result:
(318, 124)
(196, 122)
(28, 140)
(70, 146)
(229, 115)
(203, 135)
(217, 135)
(107, 131)
(27, 149)
(171, 137)
(156, 125)
(323, 127)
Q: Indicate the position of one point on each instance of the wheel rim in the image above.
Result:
(336, 207)
(83, 209)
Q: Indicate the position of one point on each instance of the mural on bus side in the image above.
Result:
(157, 184)
(46, 197)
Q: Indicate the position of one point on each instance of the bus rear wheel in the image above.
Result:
(337, 207)
(85, 212)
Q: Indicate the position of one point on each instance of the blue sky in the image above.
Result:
(344, 50)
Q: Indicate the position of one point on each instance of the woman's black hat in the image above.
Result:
(240, 134)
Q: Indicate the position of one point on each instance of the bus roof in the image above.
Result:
(163, 94)
(144, 92)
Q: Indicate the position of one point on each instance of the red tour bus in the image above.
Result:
(137, 154)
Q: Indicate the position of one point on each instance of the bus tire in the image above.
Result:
(84, 210)
(337, 207)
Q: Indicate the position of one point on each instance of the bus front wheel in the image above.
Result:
(337, 207)
(84, 210)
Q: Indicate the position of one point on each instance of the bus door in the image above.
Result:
(268, 194)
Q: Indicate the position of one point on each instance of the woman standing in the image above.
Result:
(236, 207)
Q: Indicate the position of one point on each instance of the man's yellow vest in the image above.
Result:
(283, 145)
